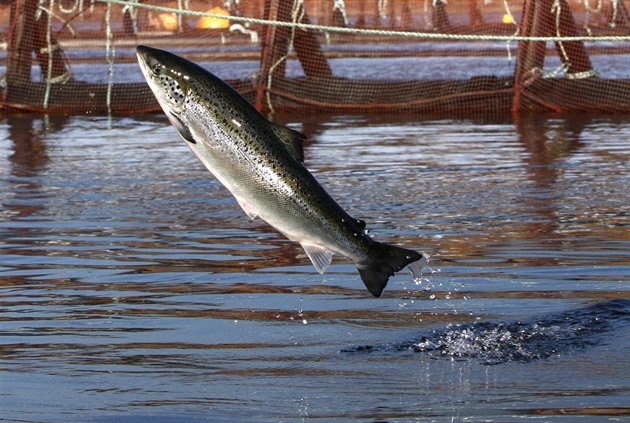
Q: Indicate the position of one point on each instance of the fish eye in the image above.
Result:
(155, 66)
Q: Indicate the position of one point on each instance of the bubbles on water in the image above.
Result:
(300, 317)
(494, 343)
(421, 273)
(417, 269)
(301, 314)
(524, 341)
(303, 407)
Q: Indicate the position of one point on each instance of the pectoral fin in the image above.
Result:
(320, 257)
(181, 128)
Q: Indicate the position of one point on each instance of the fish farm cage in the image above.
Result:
(350, 56)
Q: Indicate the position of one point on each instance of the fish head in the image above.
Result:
(169, 78)
(166, 75)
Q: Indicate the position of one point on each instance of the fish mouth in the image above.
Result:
(143, 50)
(143, 54)
(149, 57)
(146, 61)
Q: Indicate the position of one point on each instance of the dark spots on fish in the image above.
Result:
(175, 91)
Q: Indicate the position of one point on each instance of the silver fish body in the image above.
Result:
(260, 163)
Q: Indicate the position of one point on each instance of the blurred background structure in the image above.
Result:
(351, 56)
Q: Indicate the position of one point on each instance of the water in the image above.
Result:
(133, 288)
(611, 66)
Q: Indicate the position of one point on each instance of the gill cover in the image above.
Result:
(172, 83)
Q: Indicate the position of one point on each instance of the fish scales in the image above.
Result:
(283, 188)
(260, 163)
(279, 176)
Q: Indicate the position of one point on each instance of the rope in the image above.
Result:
(382, 9)
(588, 8)
(340, 5)
(516, 30)
(76, 6)
(109, 56)
(613, 18)
(180, 20)
(557, 9)
(50, 55)
(386, 33)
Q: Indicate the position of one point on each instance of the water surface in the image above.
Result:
(133, 288)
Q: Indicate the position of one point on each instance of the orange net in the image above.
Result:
(351, 56)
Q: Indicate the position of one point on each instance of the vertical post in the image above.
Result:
(476, 18)
(618, 15)
(377, 16)
(310, 53)
(391, 13)
(20, 42)
(572, 53)
(361, 21)
(440, 17)
(406, 18)
(275, 46)
(43, 51)
(537, 22)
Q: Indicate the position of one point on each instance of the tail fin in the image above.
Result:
(387, 260)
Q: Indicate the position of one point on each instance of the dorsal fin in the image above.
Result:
(292, 140)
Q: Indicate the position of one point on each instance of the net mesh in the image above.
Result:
(351, 56)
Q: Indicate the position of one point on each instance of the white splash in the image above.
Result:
(419, 268)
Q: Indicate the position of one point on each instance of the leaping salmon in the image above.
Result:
(261, 164)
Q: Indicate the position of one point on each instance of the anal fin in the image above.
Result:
(320, 257)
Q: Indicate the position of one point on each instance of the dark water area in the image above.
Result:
(133, 287)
